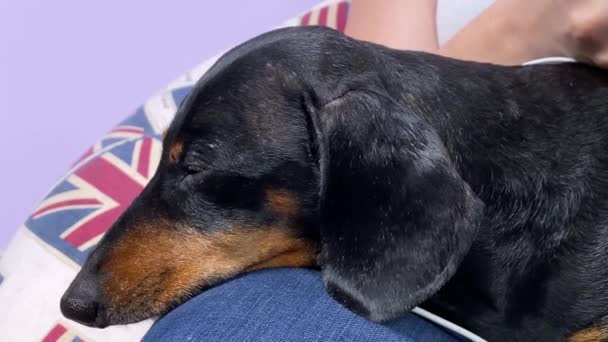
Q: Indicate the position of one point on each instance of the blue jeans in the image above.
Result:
(282, 305)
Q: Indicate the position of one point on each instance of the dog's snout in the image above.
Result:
(81, 303)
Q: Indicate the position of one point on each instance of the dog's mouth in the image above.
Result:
(149, 272)
(99, 315)
(152, 296)
(146, 302)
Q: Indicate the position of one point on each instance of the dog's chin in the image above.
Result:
(129, 315)
(108, 318)
(149, 307)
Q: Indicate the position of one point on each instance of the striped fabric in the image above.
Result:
(59, 333)
(332, 15)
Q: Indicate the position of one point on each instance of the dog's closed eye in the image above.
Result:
(193, 174)
(189, 170)
(193, 169)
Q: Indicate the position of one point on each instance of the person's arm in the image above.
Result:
(399, 24)
(514, 31)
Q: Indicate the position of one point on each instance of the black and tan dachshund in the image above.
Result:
(479, 192)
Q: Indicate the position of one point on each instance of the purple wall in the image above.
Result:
(70, 70)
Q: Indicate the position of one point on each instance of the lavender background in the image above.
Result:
(70, 70)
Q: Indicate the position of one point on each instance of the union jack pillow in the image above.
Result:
(50, 248)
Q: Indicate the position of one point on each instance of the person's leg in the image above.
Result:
(281, 305)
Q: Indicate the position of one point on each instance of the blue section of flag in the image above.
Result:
(62, 187)
(180, 94)
(110, 141)
(50, 227)
(139, 119)
(125, 151)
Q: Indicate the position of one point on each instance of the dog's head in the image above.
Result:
(290, 151)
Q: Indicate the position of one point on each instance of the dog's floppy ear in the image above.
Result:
(396, 217)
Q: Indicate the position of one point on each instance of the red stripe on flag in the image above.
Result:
(323, 16)
(85, 201)
(113, 183)
(94, 227)
(342, 16)
(127, 130)
(110, 180)
(144, 157)
(55, 333)
(305, 19)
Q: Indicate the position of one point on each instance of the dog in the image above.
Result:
(477, 191)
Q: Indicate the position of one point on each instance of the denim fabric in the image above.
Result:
(281, 305)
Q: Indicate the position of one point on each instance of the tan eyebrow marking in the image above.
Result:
(282, 202)
(594, 333)
(175, 151)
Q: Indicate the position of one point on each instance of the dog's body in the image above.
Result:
(477, 191)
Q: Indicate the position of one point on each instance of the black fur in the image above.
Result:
(477, 191)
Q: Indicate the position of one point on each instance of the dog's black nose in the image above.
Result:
(81, 303)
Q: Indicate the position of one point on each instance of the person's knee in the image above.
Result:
(266, 297)
(281, 305)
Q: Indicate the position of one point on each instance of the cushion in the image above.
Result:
(49, 249)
